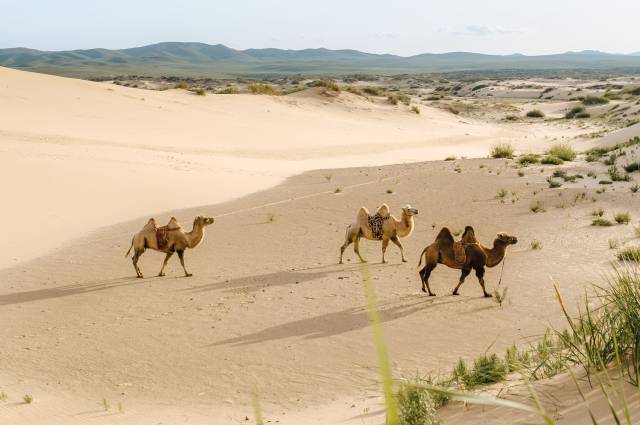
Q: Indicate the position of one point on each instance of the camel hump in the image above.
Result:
(363, 215)
(172, 224)
(469, 235)
(151, 224)
(444, 237)
(383, 211)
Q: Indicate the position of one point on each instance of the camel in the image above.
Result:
(168, 239)
(474, 256)
(380, 226)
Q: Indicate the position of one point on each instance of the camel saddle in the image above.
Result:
(375, 222)
(162, 233)
(460, 247)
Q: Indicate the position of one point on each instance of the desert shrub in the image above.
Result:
(328, 84)
(535, 113)
(395, 98)
(182, 85)
(629, 254)
(200, 92)
(453, 110)
(537, 206)
(622, 218)
(415, 406)
(563, 151)
(502, 150)
(536, 244)
(266, 89)
(529, 158)
(601, 222)
(229, 90)
(597, 212)
(551, 160)
(583, 115)
(553, 184)
(415, 110)
(451, 158)
(373, 91)
(28, 398)
(487, 369)
(611, 159)
(616, 175)
(591, 157)
(595, 100)
(512, 118)
(574, 111)
(632, 166)
(479, 87)
(634, 188)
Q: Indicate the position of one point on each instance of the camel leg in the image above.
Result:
(348, 240)
(465, 273)
(166, 260)
(356, 249)
(181, 256)
(480, 275)
(385, 244)
(425, 272)
(136, 257)
(397, 243)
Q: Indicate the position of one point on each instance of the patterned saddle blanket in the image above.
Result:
(459, 253)
(375, 223)
(162, 237)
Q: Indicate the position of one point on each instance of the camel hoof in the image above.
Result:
(161, 274)
(424, 290)
(455, 293)
(340, 262)
(363, 261)
(188, 275)
(139, 276)
(432, 295)
(404, 261)
(487, 295)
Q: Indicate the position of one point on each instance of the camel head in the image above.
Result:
(203, 221)
(506, 239)
(409, 210)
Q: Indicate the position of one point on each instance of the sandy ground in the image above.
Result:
(77, 155)
(268, 310)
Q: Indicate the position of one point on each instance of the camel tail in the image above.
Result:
(422, 255)
(127, 254)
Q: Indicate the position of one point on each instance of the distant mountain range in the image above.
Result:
(205, 60)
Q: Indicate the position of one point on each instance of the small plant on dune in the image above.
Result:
(551, 160)
(373, 91)
(512, 118)
(502, 150)
(521, 173)
(394, 99)
(3, 396)
(105, 405)
(415, 110)
(328, 84)
(629, 254)
(574, 111)
(536, 244)
(595, 100)
(622, 218)
(200, 92)
(457, 232)
(529, 158)
(611, 159)
(229, 90)
(591, 157)
(182, 85)
(271, 217)
(559, 173)
(535, 113)
(553, 184)
(266, 89)
(500, 296)
(597, 212)
(337, 190)
(591, 174)
(634, 188)
(601, 222)
(632, 166)
(616, 175)
(584, 114)
(451, 158)
(488, 369)
(502, 193)
(416, 406)
(613, 243)
(28, 398)
(327, 177)
(537, 206)
(120, 408)
(563, 151)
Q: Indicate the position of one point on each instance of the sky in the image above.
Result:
(402, 27)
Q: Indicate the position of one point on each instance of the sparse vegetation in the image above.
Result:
(613, 243)
(629, 254)
(182, 85)
(200, 91)
(328, 84)
(535, 113)
(28, 398)
(622, 218)
(451, 158)
(529, 158)
(537, 206)
(553, 184)
(632, 167)
(574, 111)
(597, 212)
(601, 222)
(416, 406)
(595, 100)
(229, 90)
(536, 244)
(415, 110)
(563, 151)
(551, 160)
(616, 175)
(265, 89)
(502, 150)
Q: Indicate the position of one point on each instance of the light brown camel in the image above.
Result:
(168, 239)
(381, 226)
(476, 256)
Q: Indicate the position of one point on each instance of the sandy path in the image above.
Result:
(269, 308)
(77, 155)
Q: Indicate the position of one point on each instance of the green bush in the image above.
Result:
(529, 158)
(415, 406)
(601, 222)
(574, 111)
(328, 84)
(266, 89)
(563, 151)
(595, 100)
(502, 150)
(629, 254)
(229, 90)
(551, 160)
(622, 218)
(535, 113)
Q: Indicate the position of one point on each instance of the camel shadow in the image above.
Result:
(63, 291)
(335, 323)
(257, 282)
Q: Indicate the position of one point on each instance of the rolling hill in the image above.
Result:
(205, 60)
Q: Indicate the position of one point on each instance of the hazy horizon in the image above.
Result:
(408, 28)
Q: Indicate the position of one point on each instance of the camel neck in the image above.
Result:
(496, 253)
(196, 235)
(405, 226)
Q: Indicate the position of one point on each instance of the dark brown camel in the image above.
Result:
(476, 256)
